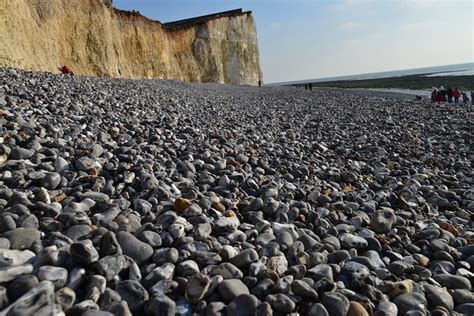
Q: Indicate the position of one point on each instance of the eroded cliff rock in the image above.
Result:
(97, 39)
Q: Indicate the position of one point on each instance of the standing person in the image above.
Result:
(465, 98)
(443, 92)
(456, 95)
(434, 95)
(66, 70)
(449, 92)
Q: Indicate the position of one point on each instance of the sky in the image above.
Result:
(308, 39)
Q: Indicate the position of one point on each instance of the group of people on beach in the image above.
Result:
(442, 95)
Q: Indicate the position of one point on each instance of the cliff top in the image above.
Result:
(185, 23)
(204, 18)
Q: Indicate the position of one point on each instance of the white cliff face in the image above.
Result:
(233, 58)
(96, 39)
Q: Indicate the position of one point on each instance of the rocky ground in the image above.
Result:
(157, 197)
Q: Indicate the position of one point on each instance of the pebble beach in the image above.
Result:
(144, 197)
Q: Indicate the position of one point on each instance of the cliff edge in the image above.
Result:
(99, 40)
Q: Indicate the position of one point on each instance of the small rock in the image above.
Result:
(180, 205)
(231, 288)
(386, 309)
(22, 238)
(11, 273)
(51, 180)
(36, 298)
(242, 305)
(65, 297)
(134, 248)
(84, 252)
(304, 290)
(383, 220)
(318, 309)
(438, 296)
(197, 287)
(410, 302)
(58, 276)
(335, 303)
(244, 258)
(21, 153)
(402, 287)
(19, 286)
(15, 257)
(133, 293)
(281, 303)
(160, 305)
(356, 309)
(453, 281)
(349, 241)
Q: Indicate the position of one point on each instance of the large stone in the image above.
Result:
(134, 247)
(386, 309)
(303, 289)
(21, 285)
(111, 266)
(22, 238)
(57, 275)
(15, 257)
(10, 273)
(453, 281)
(161, 305)
(410, 302)
(281, 303)
(279, 264)
(65, 297)
(242, 305)
(197, 287)
(244, 258)
(356, 309)
(383, 220)
(84, 252)
(32, 301)
(51, 180)
(231, 288)
(438, 296)
(335, 303)
(21, 153)
(349, 241)
(134, 293)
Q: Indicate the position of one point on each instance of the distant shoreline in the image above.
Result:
(412, 82)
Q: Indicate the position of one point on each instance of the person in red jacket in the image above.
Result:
(66, 70)
(456, 95)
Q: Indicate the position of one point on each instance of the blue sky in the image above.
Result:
(304, 39)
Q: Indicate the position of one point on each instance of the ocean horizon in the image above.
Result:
(464, 69)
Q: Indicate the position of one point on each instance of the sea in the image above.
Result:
(466, 69)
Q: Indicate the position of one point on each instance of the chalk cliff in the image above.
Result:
(97, 39)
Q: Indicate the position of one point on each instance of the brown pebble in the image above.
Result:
(181, 204)
(401, 287)
(356, 309)
(218, 206)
